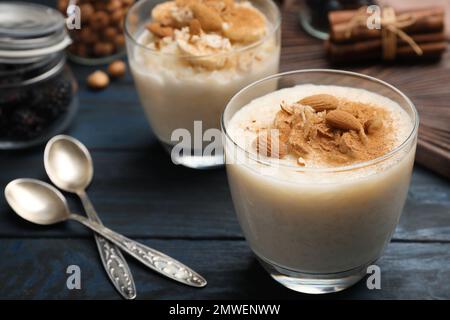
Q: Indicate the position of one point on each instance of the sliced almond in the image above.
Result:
(219, 6)
(373, 125)
(287, 109)
(269, 144)
(162, 13)
(209, 19)
(212, 62)
(321, 102)
(244, 24)
(345, 143)
(159, 31)
(343, 120)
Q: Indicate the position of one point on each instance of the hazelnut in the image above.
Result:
(86, 11)
(127, 3)
(117, 16)
(110, 33)
(113, 5)
(62, 6)
(87, 36)
(99, 5)
(119, 41)
(117, 69)
(103, 49)
(98, 80)
(82, 50)
(99, 20)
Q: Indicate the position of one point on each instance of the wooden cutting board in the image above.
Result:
(426, 84)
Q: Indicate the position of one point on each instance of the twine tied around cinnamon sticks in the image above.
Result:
(391, 27)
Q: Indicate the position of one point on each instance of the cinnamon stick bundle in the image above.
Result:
(426, 20)
(362, 43)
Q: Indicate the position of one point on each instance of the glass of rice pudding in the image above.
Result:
(319, 171)
(189, 57)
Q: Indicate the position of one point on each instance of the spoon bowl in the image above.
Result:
(36, 201)
(68, 163)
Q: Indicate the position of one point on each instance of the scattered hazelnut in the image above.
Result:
(98, 80)
(117, 69)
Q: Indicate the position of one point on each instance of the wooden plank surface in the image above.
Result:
(37, 270)
(142, 194)
(189, 214)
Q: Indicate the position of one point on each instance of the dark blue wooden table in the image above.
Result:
(189, 215)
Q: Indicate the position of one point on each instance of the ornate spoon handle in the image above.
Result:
(113, 261)
(151, 258)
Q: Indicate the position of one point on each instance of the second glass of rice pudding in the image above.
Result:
(319, 170)
(189, 57)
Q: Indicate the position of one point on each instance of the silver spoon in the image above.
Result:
(69, 166)
(40, 203)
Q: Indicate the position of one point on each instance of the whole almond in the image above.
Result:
(267, 146)
(343, 120)
(321, 102)
(373, 125)
(158, 30)
(209, 19)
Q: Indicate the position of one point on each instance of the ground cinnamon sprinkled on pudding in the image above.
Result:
(327, 129)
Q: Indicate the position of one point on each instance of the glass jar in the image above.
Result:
(183, 96)
(317, 229)
(37, 101)
(37, 89)
(100, 38)
(314, 14)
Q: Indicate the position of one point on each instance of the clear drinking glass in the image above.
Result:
(316, 230)
(181, 100)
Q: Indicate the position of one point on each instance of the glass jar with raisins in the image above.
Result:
(100, 38)
(37, 89)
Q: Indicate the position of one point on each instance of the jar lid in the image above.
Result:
(29, 32)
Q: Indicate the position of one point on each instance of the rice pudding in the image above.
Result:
(190, 56)
(314, 180)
